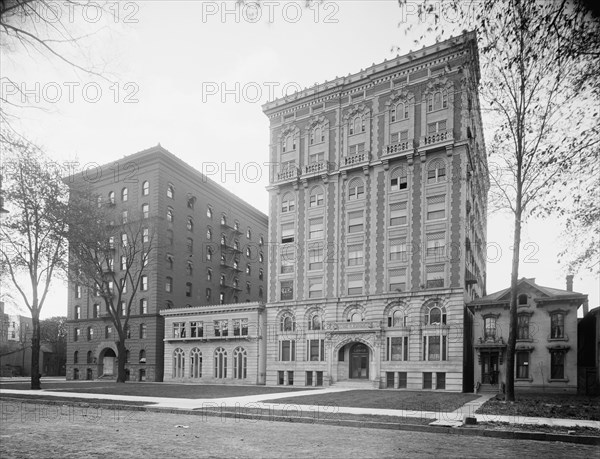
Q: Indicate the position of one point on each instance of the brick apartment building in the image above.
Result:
(209, 251)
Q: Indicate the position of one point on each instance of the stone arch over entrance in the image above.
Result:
(354, 358)
(107, 362)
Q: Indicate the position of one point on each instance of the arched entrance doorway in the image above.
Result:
(359, 361)
(108, 360)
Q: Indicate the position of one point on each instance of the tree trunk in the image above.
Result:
(35, 353)
(121, 360)
(512, 329)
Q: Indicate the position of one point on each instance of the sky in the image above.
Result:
(193, 75)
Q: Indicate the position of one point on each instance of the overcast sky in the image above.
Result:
(193, 76)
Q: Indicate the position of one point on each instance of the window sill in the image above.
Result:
(561, 380)
(524, 380)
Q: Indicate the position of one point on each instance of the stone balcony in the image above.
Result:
(321, 167)
(355, 161)
(353, 327)
(405, 146)
(288, 175)
(437, 139)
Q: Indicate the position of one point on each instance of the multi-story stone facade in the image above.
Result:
(377, 224)
(546, 349)
(210, 248)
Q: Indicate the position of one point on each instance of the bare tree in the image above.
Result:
(110, 255)
(538, 78)
(34, 248)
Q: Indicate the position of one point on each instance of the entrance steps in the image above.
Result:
(489, 389)
(356, 384)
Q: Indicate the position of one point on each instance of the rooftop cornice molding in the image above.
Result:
(366, 78)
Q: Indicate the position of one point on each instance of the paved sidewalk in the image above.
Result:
(252, 402)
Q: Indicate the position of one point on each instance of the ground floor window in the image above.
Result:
(142, 375)
(427, 380)
(557, 364)
(76, 373)
(195, 363)
(239, 363)
(178, 363)
(440, 380)
(389, 376)
(397, 348)
(220, 363)
(280, 378)
(89, 376)
(309, 378)
(402, 380)
(290, 378)
(522, 365)
(319, 378)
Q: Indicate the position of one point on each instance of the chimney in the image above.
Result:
(569, 282)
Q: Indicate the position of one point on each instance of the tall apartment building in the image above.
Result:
(377, 207)
(208, 251)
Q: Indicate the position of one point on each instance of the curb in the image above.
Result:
(470, 431)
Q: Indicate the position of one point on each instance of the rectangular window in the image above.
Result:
(316, 200)
(398, 280)
(434, 128)
(287, 233)
(402, 380)
(316, 158)
(355, 222)
(389, 377)
(309, 378)
(435, 276)
(290, 378)
(287, 290)
(315, 228)
(237, 325)
(557, 330)
(398, 249)
(356, 149)
(221, 327)
(77, 334)
(315, 350)
(523, 327)
(436, 244)
(355, 255)
(196, 329)
(319, 378)
(287, 351)
(315, 257)
(440, 381)
(557, 364)
(401, 136)
(355, 284)
(315, 287)
(244, 327)
(178, 329)
(280, 378)
(427, 380)
(287, 260)
(434, 348)
(398, 213)
(436, 207)
(395, 348)
(522, 365)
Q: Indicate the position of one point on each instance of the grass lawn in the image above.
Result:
(565, 406)
(151, 389)
(386, 399)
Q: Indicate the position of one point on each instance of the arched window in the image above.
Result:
(398, 179)
(239, 363)
(111, 197)
(89, 357)
(248, 233)
(248, 252)
(220, 363)
(189, 269)
(143, 306)
(436, 315)
(316, 197)
(397, 318)
(208, 234)
(209, 212)
(99, 200)
(437, 101)
(170, 191)
(124, 194)
(288, 143)
(143, 331)
(436, 172)
(90, 333)
(317, 135)
(287, 323)
(222, 280)
(145, 188)
(261, 241)
(127, 355)
(76, 357)
(195, 363)
(288, 203)
(314, 322)
(178, 363)
(489, 328)
(170, 215)
(223, 239)
(260, 291)
(223, 219)
(190, 224)
(357, 125)
(142, 356)
(169, 284)
(399, 112)
(208, 254)
(145, 211)
(355, 316)
(356, 189)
